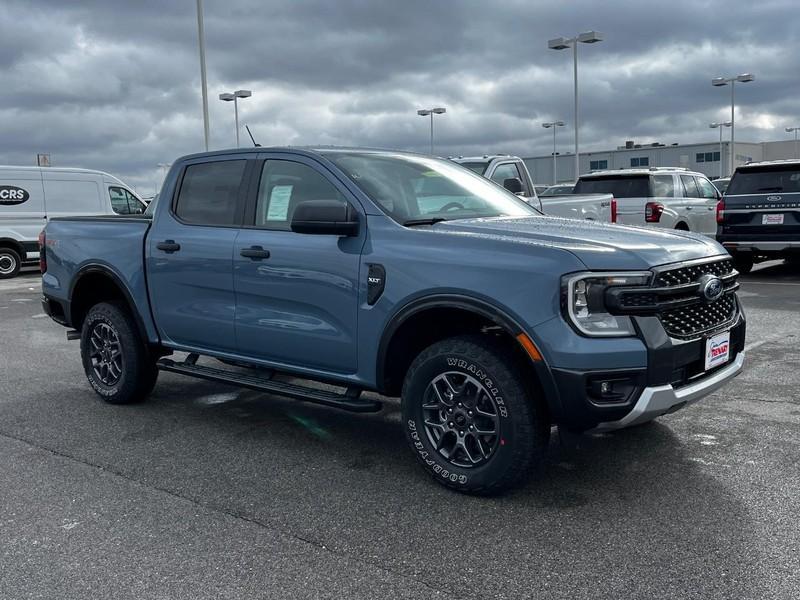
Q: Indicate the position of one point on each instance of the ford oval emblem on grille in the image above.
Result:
(711, 288)
(773, 198)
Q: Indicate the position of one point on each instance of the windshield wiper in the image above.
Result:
(432, 221)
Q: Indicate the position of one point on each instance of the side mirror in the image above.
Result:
(325, 217)
(513, 185)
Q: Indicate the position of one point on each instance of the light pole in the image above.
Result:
(720, 126)
(721, 81)
(790, 130)
(589, 37)
(201, 36)
(424, 112)
(235, 96)
(554, 125)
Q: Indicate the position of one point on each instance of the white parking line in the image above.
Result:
(755, 345)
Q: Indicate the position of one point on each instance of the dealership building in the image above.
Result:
(710, 159)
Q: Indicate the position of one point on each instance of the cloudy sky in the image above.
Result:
(115, 84)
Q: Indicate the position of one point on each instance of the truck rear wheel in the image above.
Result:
(10, 263)
(117, 363)
(470, 418)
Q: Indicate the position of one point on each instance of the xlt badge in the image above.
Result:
(376, 281)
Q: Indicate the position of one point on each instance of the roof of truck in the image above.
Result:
(771, 163)
(302, 150)
(641, 171)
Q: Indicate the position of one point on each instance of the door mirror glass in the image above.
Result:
(513, 185)
(326, 217)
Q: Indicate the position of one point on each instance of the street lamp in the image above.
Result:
(201, 39)
(234, 97)
(431, 111)
(720, 126)
(721, 81)
(790, 130)
(554, 125)
(589, 37)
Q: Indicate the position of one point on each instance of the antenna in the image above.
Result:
(251, 136)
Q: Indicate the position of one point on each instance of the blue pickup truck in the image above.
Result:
(350, 268)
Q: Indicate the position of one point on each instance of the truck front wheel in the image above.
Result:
(470, 418)
(117, 363)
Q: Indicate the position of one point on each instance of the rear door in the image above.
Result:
(72, 193)
(690, 206)
(190, 255)
(762, 203)
(296, 294)
(706, 213)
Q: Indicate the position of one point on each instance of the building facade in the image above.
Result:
(711, 159)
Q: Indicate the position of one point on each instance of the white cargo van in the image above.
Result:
(29, 196)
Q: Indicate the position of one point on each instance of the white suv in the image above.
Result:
(670, 197)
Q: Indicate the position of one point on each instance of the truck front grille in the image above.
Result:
(691, 321)
(694, 316)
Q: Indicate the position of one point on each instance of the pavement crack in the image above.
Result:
(213, 508)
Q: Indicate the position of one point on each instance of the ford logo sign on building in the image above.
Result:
(11, 194)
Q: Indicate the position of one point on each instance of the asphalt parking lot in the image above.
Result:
(212, 492)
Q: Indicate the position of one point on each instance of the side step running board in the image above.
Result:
(349, 401)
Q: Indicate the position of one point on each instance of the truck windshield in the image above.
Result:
(617, 186)
(416, 188)
(765, 180)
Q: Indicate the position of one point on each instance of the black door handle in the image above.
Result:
(254, 253)
(168, 246)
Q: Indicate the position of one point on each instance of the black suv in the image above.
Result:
(759, 215)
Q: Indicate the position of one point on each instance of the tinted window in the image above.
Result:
(284, 184)
(706, 189)
(412, 187)
(721, 184)
(700, 157)
(663, 186)
(689, 188)
(765, 180)
(598, 165)
(637, 186)
(209, 193)
(506, 171)
(477, 167)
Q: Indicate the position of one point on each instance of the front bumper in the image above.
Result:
(665, 399)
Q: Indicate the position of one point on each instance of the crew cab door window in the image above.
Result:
(284, 184)
(209, 193)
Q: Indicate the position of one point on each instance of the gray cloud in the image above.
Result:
(113, 84)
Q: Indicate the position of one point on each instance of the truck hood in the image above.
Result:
(598, 245)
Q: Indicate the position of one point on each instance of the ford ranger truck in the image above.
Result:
(491, 321)
(759, 216)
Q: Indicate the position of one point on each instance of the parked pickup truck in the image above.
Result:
(490, 321)
(759, 216)
(512, 174)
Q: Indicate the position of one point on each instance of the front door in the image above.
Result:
(190, 256)
(296, 294)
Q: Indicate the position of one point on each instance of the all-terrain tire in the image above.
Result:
(460, 365)
(10, 263)
(116, 361)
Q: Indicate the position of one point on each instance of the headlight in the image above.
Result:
(585, 304)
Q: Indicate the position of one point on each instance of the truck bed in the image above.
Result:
(77, 244)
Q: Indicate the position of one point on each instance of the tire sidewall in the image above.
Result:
(413, 418)
(104, 313)
(15, 257)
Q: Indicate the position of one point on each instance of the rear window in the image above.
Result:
(477, 167)
(618, 186)
(767, 180)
